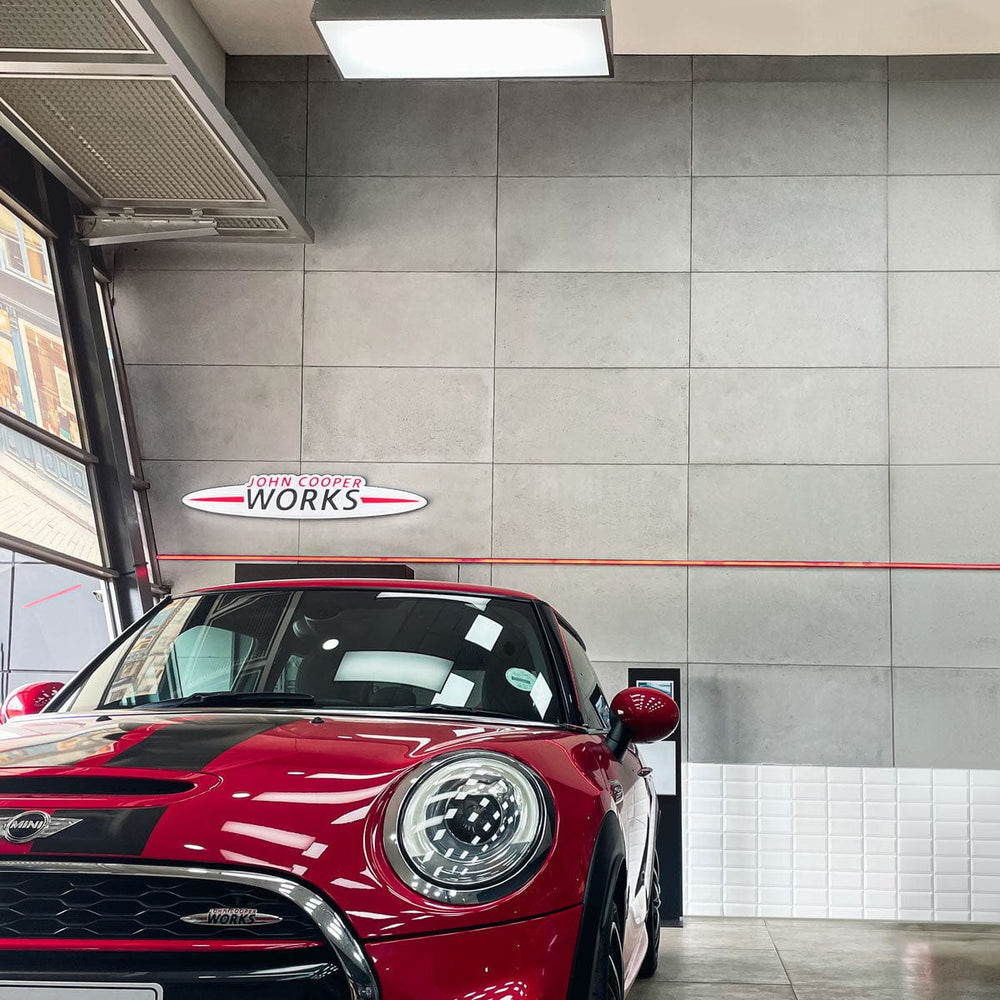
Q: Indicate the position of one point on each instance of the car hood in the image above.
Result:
(300, 792)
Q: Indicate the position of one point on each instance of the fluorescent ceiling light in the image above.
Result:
(407, 39)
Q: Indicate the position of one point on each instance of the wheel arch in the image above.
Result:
(607, 873)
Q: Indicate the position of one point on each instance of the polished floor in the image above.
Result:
(751, 959)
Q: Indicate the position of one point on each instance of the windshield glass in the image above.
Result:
(338, 648)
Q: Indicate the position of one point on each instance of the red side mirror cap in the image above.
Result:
(648, 715)
(29, 699)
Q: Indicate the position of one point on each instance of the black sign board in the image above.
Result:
(665, 759)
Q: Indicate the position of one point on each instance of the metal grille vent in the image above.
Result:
(66, 26)
(129, 138)
(249, 222)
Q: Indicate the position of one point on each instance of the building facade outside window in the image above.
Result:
(34, 373)
(76, 553)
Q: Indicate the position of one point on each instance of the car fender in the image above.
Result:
(606, 864)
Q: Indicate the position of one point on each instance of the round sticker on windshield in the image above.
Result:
(523, 680)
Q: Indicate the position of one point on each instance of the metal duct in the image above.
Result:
(105, 96)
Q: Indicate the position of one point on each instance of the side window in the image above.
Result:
(593, 705)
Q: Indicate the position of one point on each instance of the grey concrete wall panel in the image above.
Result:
(295, 188)
(404, 128)
(402, 224)
(590, 511)
(945, 416)
(944, 127)
(592, 320)
(182, 529)
(456, 520)
(788, 320)
(397, 415)
(594, 224)
(945, 618)
(946, 319)
(595, 129)
(827, 716)
(946, 718)
(219, 413)
(186, 576)
(789, 224)
(791, 69)
(652, 69)
(823, 616)
(780, 416)
(255, 317)
(945, 513)
(606, 416)
(273, 115)
(520, 305)
(944, 223)
(206, 255)
(630, 614)
(810, 512)
(960, 67)
(781, 129)
(435, 320)
(266, 69)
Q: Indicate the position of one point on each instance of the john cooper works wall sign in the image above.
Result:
(305, 496)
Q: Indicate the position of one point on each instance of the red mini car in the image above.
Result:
(331, 790)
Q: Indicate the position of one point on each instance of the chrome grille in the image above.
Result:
(88, 906)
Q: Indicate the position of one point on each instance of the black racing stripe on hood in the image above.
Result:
(123, 832)
(192, 744)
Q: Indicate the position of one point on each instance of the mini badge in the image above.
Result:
(28, 826)
(304, 497)
(231, 916)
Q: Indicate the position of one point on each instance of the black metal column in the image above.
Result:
(111, 478)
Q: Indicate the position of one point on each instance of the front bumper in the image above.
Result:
(527, 960)
(530, 959)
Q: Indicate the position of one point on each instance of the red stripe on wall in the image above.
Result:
(58, 593)
(493, 561)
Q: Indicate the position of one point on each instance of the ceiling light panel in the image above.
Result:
(450, 39)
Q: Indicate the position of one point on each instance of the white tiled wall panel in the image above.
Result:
(842, 842)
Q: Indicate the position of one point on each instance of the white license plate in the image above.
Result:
(77, 991)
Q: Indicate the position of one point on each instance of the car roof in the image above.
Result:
(372, 583)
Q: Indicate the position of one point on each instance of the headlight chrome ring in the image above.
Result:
(468, 828)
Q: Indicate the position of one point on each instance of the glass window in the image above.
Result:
(6, 584)
(363, 649)
(593, 705)
(58, 621)
(34, 373)
(45, 498)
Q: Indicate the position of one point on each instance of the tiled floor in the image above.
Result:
(757, 959)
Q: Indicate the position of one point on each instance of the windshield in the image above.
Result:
(338, 648)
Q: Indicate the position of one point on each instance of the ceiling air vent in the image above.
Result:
(133, 129)
(67, 26)
(249, 222)
(130, 139)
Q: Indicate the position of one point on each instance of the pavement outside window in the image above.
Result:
(761, 959)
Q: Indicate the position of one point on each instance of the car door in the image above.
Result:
(628, 780)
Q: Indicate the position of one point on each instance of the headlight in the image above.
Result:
(469, 827)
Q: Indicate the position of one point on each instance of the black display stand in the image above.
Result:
(669, 843)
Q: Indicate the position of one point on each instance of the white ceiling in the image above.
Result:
(755, 27)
